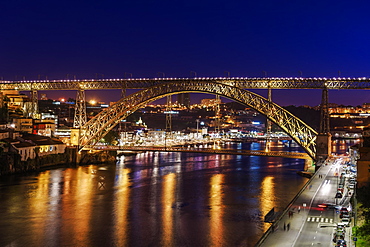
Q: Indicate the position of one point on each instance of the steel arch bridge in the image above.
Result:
(101, 124)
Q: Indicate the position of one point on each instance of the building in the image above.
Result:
(28, 146)
(14, 99)
(183, 99)
(43, 127)
(210, 102)
(45, 145)
(25, 149)
(8, 133)
(23, 124)
(63, 134)
(363, 164)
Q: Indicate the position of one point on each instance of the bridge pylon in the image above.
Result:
(268, 122)
(34, 104)
(323, 141)
(80, 118)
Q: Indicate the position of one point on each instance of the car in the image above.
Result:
(346, 221)
(341, 243)
(340, 229)
(338, 235)
(340, 224)
(343, 209)
(338, 195)
(327, 205)
(344, 215)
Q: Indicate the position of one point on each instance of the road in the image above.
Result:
(310, 224)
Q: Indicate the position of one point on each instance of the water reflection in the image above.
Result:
(121, 207)
(151, 199)
(81, 201)
(267, 198)
(216, 210)
(38, 203)
(168, 200)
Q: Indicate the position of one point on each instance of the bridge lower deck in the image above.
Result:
(294, 155)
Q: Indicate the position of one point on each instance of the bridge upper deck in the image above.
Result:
(140, 83)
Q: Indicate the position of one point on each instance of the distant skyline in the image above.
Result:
(281, 97)
(242, 38)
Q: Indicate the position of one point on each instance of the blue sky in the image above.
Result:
(89, 39)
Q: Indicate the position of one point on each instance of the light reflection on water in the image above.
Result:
(168, 200)
(267, 199)
(151, 199)
(121, 206)
(216, 210)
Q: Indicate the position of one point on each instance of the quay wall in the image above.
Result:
(10, 163)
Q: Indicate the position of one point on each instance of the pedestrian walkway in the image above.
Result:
(286, 230)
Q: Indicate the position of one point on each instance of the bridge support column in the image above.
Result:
(308, 165)
(323, 140)
(34, 104)
(323, 148)
(217, 114)
(169, 114)
(75, 141)
(75, 137)
(268, 122)
(80, 118)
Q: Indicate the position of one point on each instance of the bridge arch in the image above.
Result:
(101, 124)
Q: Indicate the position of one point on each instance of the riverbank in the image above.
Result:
(11, 163)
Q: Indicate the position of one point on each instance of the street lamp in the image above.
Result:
(197, 120)
(99, 74)
(67, 76)
(128, 74)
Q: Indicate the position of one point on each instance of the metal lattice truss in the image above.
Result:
(102, 123)
(139, 83)
(80, 118)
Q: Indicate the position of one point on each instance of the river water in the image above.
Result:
(150, 199)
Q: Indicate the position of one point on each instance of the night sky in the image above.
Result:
(113, 39)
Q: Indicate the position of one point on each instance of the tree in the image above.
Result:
(111, 137)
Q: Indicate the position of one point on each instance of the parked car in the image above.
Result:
(344, 215)
(340, 229)
(346, 221)
(341, 243)
(338, 195)
(343, 209)
(338, 235)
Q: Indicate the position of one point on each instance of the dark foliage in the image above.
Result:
(308, 115)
